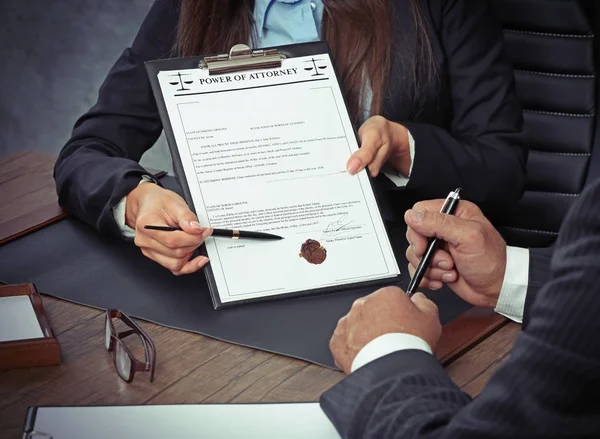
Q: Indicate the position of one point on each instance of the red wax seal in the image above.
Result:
(313, 251)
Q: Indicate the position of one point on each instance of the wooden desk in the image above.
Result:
(191, 368)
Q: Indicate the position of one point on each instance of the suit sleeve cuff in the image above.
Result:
(395, 176)
(511, 302)
(387, 344)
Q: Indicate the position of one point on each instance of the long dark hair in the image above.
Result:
(359, 33)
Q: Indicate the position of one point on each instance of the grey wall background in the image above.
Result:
(54, 55)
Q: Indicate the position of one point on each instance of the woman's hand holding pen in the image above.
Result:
(472, 258)
(381, 141)
(151, 204)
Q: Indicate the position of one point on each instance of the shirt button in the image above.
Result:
(313, 6)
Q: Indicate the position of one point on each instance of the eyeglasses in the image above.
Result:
(125, 363)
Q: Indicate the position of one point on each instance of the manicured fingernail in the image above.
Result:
(416, 215)
(203, 260)
(448, 277)
(195, 225)
(353, 166)
(444, 265)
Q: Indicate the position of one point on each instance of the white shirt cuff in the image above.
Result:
(511, 302)
(397, 178)
(386, 344)
(119, 214)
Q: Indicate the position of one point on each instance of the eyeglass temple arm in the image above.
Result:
(137, 329)
(129, 332)
(126, 333)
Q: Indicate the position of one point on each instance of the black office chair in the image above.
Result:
(551, 43)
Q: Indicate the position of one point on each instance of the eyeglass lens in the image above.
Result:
(107, 331)
(123, 362)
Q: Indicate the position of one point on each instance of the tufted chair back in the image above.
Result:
(551, 44)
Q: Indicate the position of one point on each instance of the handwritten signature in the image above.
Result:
(337, 227)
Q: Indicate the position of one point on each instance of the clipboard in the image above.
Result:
(239, 59)
(216, 421)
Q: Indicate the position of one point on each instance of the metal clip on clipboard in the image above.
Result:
(241, 57)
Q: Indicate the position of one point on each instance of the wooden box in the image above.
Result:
(30, 352)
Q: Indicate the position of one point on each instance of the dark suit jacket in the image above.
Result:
(468, 134)
(539, 275)
(547, 389)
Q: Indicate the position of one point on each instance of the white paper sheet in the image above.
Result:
(267, 151)
(227, 421)
(18, 320)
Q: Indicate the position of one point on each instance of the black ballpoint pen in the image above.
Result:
(227, 233)
(448, 208)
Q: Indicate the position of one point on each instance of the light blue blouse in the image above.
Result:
(280, 22)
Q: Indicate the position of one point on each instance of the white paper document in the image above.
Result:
(18, 320)
(267, 151)
(227, 421)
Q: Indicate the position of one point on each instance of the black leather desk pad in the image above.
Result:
(72, 261)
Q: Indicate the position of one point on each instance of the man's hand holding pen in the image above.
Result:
(472, 258)
(390, 310)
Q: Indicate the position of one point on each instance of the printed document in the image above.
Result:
(266, 150)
